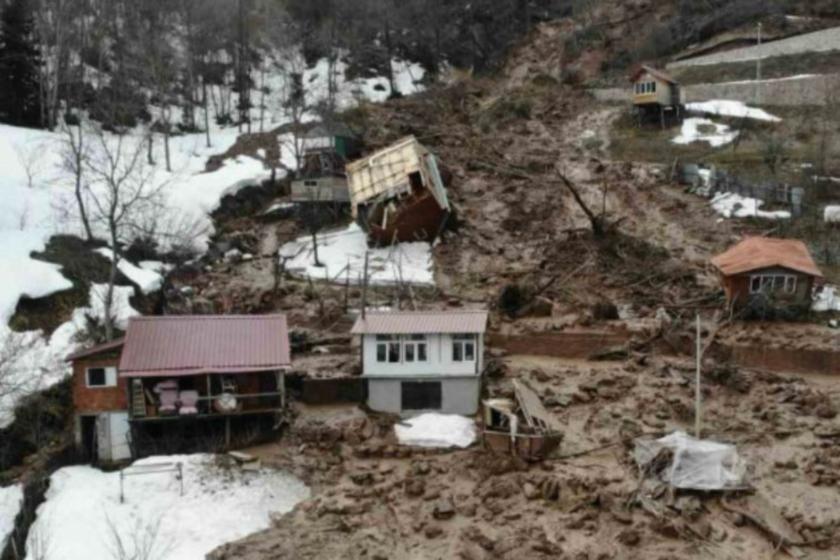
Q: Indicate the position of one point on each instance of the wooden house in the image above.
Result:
(322, 177)
(172, 375)
(417, 361)
(656, 95)
(397, 194)
(779, 273)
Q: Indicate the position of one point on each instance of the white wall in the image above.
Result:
(439, 361)
(459, 395)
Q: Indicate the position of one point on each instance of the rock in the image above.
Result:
(233, 256)
(443, 509)
(550, 489)
(432, 531)
(415, 488)
(531, 492)
(789, 464)
(629, 537)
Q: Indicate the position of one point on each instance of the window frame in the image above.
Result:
(387, 344)
(773, 284)
(418, 345)
(109, 380)
(461, 342)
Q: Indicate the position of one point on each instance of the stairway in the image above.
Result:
(138, 399)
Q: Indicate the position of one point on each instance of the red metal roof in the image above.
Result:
(755, 253)
(178, 345)
(653, 72)
(94, 350)
(421, 322)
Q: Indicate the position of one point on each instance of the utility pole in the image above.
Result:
(697, 410)
(365, 286)
(758, 70)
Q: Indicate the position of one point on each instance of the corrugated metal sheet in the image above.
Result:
(195, 344)
(755, 253)
(387, 171)
(94, 350)
(421, 322)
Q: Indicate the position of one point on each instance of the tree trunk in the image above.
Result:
(315, 248)
(149, 155)
(206, 111)
(166, 140)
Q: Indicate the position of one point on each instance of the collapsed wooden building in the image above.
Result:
(397, 194)
(521, 427)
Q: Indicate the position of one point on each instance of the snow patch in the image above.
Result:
(337, 250)
(729, 108)
(11, 498)
(36, 363)
(21, 275)
(828, 299)
(831, 214)
(436, 430)
(83, 510)
(731, 205)
(148, 280)
(690, 132)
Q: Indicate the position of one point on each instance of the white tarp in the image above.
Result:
(697, 464)
(433, 429)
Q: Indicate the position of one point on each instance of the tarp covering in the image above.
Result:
(696, 464)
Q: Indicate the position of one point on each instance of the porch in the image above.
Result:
(205, 396)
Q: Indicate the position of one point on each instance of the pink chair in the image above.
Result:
(189, 402)
(168, 394)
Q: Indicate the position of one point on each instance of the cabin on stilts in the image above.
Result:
(656, 97)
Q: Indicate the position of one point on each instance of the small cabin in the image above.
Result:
(416, 361)
(656, 95)
(213, 377)
(322, 177)
(768, 273)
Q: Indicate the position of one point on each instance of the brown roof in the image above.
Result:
(196, 344)
(653, 72)
(754, 253)
(94, 350)
(421, 322)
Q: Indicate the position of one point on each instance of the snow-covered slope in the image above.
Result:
(83, 519)
(37, 193)
(11, 498)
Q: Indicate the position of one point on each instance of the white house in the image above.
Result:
(423, 360)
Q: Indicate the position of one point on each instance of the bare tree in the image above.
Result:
(74, 153)
(122, 193)
(144, 542)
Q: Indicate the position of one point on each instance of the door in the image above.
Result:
(103, 438)
(118, 431)
(87, 426)
(421, 395)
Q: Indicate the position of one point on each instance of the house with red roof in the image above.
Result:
(179, 383)
(768, 272)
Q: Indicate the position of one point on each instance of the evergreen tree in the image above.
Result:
(20, 61)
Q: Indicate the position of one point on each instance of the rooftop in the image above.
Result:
(421, 322)
(178, 345)
(665, 77)
(755, 253)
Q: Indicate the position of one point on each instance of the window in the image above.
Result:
(653, 87)
(772, 283)
(421, 395)
(463, 347)
(415, 348)
(387, 348)
(101, 377)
